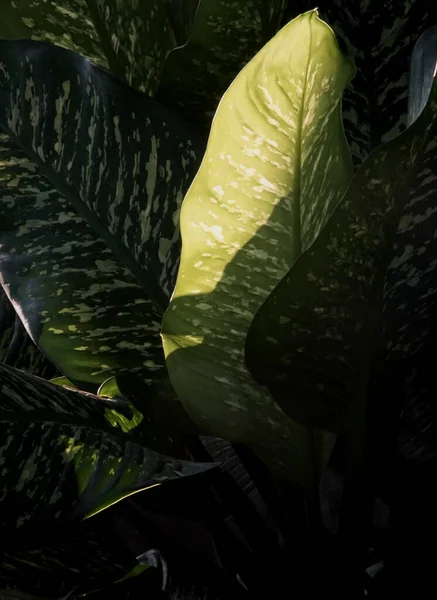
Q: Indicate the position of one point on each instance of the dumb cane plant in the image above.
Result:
(283, 318)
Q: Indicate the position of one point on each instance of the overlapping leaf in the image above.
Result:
(125, 170)
(226, 35)
(130, 38)
(89, 558)
(16, 347)
(410, 291)
(381, 37)
(276, 165)
(62, 460)
(311, 342)
(81, 305)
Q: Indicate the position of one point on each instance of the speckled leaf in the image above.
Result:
(120, 158)
(7, 322)
(83, 307)
(409, 333)
(276, 165)
(162, 417)
(379, 37)
(128, 37)
(87, 556)
(61, 459)
(80, 305)
(312, 340)
(226, 35)
(16, 346)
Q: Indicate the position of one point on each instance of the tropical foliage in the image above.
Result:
(217, 276)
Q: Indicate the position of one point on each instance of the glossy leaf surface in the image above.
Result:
(312, 341)
(276, 166)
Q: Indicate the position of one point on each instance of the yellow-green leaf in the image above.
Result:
(276, 165)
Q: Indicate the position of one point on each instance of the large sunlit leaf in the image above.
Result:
(226, 35)
(130, 38)
(62, 459)
(127, 176)
(312, 341)
(276, 165)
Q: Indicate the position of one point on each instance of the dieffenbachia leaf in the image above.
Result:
(80, 558)
(276, 166)
(161, 412)
(312, 341)
(16, 347)
(81, 306)
(410, 295)
(132, 39)
(422, 72)
(379, 37)
(124, 170)
(62, 460)
(226, 35)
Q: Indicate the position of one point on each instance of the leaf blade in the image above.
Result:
(245, 218)
(73, 463)
(311, 342)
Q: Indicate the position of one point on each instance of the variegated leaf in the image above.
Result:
(226, 35)
(125, 171)
(380, 38)
(312, 341)
(83, 558)
(132, 39)
(80, 304)
(16, 346)
(162, 417)
(62, 460)
(409, 333)
(276, 166)
(7, 323)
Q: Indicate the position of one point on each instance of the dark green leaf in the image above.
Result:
(127, 176)
(16, 347)
(62, 460)
(226, 35)
(312, 340)
(130, 38)
(380, 37)
(409, 333)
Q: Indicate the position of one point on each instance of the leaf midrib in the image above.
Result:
(296, 240)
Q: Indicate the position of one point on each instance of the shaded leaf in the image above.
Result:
(312, 340)
(379, 37)
(226, 34)
(82, 307)
(61, 459)
(132, 168)
(276, 165)
(16, 347)
(132, 39)
(409, 341)
(90, 556)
